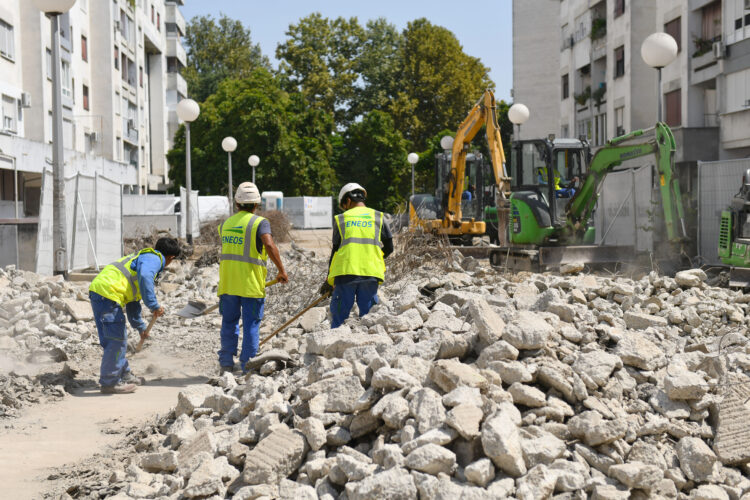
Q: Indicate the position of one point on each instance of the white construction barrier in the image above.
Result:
(93, 209)
(213, 208)
(625, 209)
(718, 182)
(308, 212)
(195, 220)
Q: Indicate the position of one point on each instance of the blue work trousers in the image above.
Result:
(113, 337)
(364, 291)
(251, 310)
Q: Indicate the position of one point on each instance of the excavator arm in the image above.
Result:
(483, 113)
(633, 145)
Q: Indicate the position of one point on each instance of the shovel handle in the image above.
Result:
(145, 333)
(216, 306)
(303, 311)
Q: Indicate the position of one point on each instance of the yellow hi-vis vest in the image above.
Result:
(360, 252)
(118, 282)
(557, 177)
(242, 270)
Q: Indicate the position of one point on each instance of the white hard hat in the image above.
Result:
(349, 188)
(247, 192)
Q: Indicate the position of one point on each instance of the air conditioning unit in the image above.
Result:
(719, 50)
(25, 100)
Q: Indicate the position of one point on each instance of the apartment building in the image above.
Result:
(121, 62)
(605, 88)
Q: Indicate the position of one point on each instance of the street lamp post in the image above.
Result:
(518, 114)
(187, 111)
(413, 158)
(229, 144)
(53, 9)
(253, 161)
(658, 50)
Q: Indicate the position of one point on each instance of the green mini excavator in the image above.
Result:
(543, 218)
(734, 236)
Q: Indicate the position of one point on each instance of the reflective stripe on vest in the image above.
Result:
(132, 279)
(245, 257)
(364, 241)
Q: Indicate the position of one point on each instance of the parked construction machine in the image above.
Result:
(443, 213)
(734, 236)
(551, 229)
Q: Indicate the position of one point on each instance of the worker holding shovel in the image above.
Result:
(121, 285)
(246, 245)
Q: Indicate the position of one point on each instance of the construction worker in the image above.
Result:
(246, 244)
(121, 285)
(361, 242)
(560, 192)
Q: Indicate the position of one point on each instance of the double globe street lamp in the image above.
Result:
(53, 9)
(229, 144)
(187, 111)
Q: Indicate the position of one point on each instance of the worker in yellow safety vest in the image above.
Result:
(121, 285)
(361, 242)
(246, 245)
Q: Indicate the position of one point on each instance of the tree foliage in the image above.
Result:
(217, 51)
(290, 139)
(373, 154)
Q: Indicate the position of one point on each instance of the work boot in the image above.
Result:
(225, 369)
(120, 388)
(129, 378)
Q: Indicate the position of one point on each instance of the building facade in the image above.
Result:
(120, 64)
(606, 90)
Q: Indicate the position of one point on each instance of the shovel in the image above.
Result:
(303, 311)
(195, 308)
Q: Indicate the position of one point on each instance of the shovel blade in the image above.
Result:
(193, 309)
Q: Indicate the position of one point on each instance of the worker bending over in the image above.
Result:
(246, 244)
(361, 241)
(121, 285)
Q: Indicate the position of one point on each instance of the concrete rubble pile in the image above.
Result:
(468, 385)
(44, 323)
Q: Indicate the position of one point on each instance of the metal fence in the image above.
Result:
(93, 209)
(625, 209)
(718, 182)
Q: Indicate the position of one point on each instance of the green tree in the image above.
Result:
(437, 82)
(373, 153)
(319, 59)
(292, 140)
(217, 51)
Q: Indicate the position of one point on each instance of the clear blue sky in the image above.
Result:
(483, 27)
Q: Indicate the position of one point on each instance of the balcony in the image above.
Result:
(173, 15)
(696, 143)
(175, 49)
(706, 68)
(175, 81)
(734, 127)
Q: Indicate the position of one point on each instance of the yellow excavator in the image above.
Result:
(452, 189)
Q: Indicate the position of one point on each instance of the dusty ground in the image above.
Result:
(50, 443)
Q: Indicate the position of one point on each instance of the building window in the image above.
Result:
(9, 114)
(7, 45)
(673, 105)
(85, 98)
(619, 61)
(117, 58)
(600, 129)
(619, 121)
(619, 7)
(67, 81)
(84, 48)
(711, 22)
(674, 28)
(565, 86)
(49, 64)
(140, 75)
(158, 22)
(152, 14)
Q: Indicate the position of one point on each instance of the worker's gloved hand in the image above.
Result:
(325, 288)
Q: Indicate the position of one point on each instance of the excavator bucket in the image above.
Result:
(739, 277)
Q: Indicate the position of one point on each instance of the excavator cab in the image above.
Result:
(734, 236)
(545, 175)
